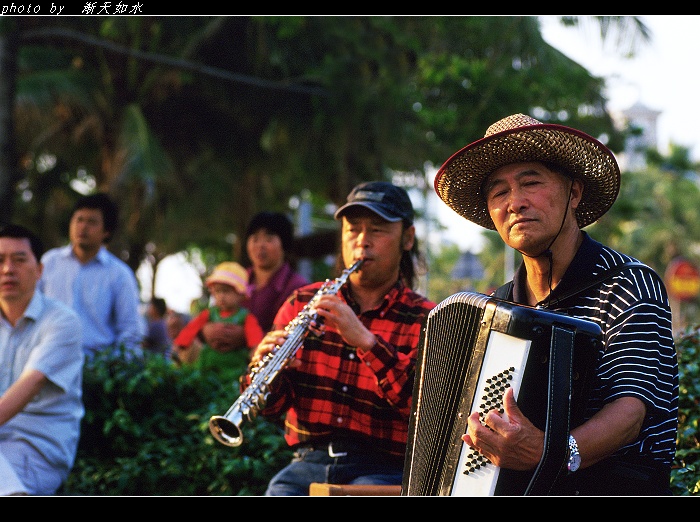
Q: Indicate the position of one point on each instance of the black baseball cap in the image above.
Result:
(388, 201)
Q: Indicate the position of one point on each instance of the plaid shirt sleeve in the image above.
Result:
(339, 391)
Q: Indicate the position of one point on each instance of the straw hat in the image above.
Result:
(232, 274)
(520, 138)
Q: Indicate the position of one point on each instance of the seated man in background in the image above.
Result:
(41, 370)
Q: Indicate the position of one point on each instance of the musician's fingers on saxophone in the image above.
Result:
(269, 344)
(339, 315)
(336, 312)
(318, 329)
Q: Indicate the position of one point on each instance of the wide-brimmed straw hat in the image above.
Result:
(520, 138)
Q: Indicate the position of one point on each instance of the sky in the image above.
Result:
(663, 76)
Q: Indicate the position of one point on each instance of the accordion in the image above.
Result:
(472, 348)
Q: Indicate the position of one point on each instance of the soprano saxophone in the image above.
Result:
(226, 428)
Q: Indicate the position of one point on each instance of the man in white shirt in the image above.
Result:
(94, 282)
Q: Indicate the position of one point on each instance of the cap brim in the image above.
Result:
(373, 207)
(227, 282)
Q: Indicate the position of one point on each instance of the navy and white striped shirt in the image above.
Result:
(638, 354)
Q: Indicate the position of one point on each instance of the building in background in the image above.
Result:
(645, 120)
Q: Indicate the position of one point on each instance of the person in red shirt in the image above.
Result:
(228, 285)
(347, 394)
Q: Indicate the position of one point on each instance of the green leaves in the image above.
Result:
(685, 477)
(145, 432)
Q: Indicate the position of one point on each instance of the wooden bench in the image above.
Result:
(321, 489)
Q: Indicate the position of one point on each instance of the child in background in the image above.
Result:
(228, 286)
(157, 339)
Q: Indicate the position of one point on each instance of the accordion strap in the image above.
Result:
(556, 433)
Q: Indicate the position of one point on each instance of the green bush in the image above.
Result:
(685, 475)
(145, 432)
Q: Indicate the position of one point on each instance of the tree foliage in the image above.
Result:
(196, 123)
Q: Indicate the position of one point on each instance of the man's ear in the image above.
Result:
(575, 192)
(409, 237)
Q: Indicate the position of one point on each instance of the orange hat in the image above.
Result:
(232, 274)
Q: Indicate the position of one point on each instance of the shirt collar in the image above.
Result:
(581, 265)
(35, 307)
(392, 296)
(277, 280)
(101, 257)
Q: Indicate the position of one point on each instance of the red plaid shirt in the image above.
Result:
(341, 392)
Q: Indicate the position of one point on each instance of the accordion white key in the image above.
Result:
(472, 348)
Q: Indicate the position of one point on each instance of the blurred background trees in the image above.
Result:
(195, 123)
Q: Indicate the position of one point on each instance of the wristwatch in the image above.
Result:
(574, 456)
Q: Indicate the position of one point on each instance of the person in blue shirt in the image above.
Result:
(41, 370)
(94, 282)
(157, 339)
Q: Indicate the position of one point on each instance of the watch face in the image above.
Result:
(574, 462)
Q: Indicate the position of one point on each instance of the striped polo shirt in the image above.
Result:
(638, 356)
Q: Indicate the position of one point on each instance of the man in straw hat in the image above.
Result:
(538, 185)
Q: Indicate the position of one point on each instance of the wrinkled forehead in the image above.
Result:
(523, 170)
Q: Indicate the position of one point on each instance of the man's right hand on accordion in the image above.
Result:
(509, 440)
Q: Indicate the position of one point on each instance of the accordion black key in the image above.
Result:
(472, 348)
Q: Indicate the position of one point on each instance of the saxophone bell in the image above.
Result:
(227, 429)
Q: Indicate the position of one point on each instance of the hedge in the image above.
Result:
(145, 432)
